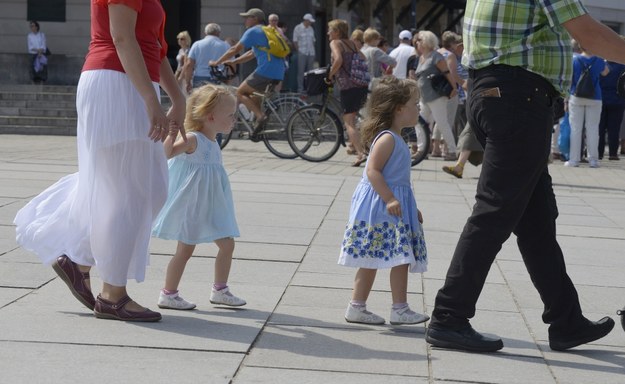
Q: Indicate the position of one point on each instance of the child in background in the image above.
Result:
(199, 207)
(384, 228)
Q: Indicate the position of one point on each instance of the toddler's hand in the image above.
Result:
(393, 207)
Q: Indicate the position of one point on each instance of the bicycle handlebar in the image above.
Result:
(227, 73)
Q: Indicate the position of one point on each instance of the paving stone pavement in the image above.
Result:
(292, 215)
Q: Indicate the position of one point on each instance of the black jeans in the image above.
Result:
(514, 195)
(611, 118)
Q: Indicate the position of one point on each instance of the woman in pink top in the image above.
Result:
(101, 216)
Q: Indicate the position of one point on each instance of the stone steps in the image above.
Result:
(40, 109)
(37, 109)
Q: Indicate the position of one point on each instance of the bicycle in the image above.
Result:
(315, 132)
(277, 109)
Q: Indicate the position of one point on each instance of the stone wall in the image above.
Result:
(62, 69)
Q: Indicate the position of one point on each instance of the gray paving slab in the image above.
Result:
(249, 374)
(8, 296)
(292, 216)
(38, 362)
(377, 351)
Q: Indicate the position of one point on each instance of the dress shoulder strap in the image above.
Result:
(380, 135)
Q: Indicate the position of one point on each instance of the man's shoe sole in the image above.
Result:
(451, 345)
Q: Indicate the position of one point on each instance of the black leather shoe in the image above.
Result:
(592, 331)
(466, 339)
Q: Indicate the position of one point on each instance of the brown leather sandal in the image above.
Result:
(75, 279)
(358, 162)
(105, 309)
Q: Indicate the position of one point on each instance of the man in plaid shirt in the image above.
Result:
(520, 62)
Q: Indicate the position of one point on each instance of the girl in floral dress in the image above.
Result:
(384, 228)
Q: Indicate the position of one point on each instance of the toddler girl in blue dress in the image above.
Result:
(384, 228)
(199, 207)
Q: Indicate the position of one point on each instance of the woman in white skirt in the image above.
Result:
(102, 216)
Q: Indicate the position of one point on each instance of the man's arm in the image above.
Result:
(597, 38)
(187, 73)
(296, 37)
(231, 52)
(244, 58)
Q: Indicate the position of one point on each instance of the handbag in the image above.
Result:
(585, 87)
(440, 84)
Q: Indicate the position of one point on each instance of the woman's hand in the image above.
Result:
(176, 117)
(454, 92)
(393, 207)
(419, 216)
(159, 122)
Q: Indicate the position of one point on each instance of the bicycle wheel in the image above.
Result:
(313, 134)
(238, 126)
(418, 140)
(225, 138)
(274, 134)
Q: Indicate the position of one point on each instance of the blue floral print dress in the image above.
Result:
(374, 238)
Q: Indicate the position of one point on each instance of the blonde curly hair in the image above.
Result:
(201, 102)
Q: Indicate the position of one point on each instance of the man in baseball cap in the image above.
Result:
(254, 12)
(304, 40)
(405, 35)
(269, 69)
(401, 54)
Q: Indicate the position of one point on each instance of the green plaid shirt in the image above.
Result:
(527, 34)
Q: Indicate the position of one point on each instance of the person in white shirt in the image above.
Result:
(37, 47)
(304, 41)
(401, 54)
(196, 71)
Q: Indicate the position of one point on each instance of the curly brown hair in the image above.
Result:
(387, 96)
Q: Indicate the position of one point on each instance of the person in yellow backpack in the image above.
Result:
(270, 62)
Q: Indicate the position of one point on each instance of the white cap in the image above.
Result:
(405, 35)
(309, 17)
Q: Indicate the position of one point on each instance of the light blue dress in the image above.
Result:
(199, 207)
(374, 238)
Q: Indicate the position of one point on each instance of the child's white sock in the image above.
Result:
(219, 286)
(398, 306)
(358, 304)
(168, 292)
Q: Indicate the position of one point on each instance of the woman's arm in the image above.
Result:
(31, 43)
(378, 158)
(452, 64)
(178, 101)
(337, 59)
(444, 68)
(122, 25)
(382, 57)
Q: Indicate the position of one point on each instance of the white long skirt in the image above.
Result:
(102, 215)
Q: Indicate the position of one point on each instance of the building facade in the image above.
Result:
(67, 28)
